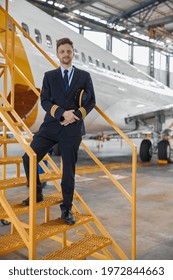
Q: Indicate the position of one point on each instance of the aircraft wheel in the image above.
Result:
(164, 150)
(145, 150)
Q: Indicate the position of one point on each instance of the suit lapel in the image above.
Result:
(60, 80)
(74, 79)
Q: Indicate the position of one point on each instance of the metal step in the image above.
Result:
(80, 249)
(18, 182)
(14, 159)
(18, 208)
(12, 242)
(5, 140)
(10, 160)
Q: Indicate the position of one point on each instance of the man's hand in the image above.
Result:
(69, 117)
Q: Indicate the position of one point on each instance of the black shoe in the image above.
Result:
(67, 216)
(26, 201)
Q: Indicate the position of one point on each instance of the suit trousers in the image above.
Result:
(68, 146)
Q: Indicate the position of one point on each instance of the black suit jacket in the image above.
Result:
(54, 93)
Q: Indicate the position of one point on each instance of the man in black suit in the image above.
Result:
(67, 96)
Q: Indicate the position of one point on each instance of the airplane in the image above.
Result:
(132, 99)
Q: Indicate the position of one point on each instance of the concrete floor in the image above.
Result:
(154, 204)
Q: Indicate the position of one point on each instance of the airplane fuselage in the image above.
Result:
(121, 89)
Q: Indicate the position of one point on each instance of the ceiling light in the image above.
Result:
(120, 28)
(61, 6)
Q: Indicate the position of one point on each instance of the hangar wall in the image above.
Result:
(121, 50)
(159, 75)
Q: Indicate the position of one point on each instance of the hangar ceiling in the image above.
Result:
(144, 22)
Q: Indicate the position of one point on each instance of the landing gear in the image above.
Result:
(164, 150)
(145, 152)
(161, 148)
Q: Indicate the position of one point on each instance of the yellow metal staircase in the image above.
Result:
(94, 240)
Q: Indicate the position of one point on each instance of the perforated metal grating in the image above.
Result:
(81, 249)
(57, 226)
(12, 242)
(17, 182)
(19, 209)
(10, 160)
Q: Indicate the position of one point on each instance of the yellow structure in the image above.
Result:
(95, 241)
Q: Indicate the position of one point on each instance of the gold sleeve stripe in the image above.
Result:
(80, 97)
(83, 112)
(53, 109)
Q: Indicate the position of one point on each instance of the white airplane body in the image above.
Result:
(129, 97)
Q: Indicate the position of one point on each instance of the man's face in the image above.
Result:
(65, 54)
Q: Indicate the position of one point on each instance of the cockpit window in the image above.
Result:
(90, 59)
(97, 62)
(103, 65)
(25, 27)
(49, 41)
(83, 57)
(76, 54)
(38, 36)
(9, 25)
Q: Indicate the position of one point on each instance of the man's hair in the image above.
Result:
(63, 41)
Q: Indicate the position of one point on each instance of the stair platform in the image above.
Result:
(5, 140)
(80, 249)
(19, 182)
(14, 159)
(19, 209)
(12, 242)
(10, 160)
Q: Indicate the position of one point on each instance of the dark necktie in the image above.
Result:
(66, 80)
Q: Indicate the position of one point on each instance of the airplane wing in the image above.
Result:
(146, 116)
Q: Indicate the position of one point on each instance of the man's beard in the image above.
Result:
(66, 61)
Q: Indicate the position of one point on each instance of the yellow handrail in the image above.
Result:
(20, 73)
(134, 170)
(29, 38)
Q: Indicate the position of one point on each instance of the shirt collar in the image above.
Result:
(69, 69)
